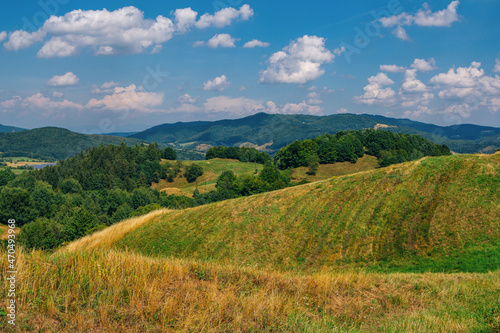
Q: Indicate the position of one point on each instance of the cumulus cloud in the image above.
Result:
(299, 62)
(342, 110)
(392, 68)
(128, 98)
(411, 84)
(68, 79)
(423, 18)
(224, 17)
(3, 35)
(105, 88)
(241, 106)
(186, 99)
(218, 84)
(57, 94)
(255, 43)
(375, 94)
(464, 81)
(496, 69)
(222, 40)
(39, 102)
(123, 31)
(423, 65)
(184, 19)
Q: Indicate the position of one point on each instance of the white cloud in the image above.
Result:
(3, 35)
(411, 84)
(443, 18)
(39, 102)
(198, 43)
(224, 17)
(105, 88)
(57, 94)
(423, 65)
(244, 106)
(242, 88)
(375, 94)
(342, 110)
(68, 79)
(339, 50)
(128, 98)
(401, 33)
(423, 18)
(184, 19)
(392, 68)
(222, 40)
(123, 31)
(220, 83)
(496, 69)
(299, 62)
(256, 43)
(21, 39)
(186, 99)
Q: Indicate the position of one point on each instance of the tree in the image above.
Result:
(70, 185)
(79, 224)
(313, 165)
(169, 154)
(42, 234)
(193, 172)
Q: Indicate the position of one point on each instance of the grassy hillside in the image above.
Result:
(276, 131)
(54, 143)
(270, 263)
(436, 214)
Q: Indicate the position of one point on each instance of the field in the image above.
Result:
(214, 167)
(14, 162)
(326, 171)
(212, 170)
(408, 248)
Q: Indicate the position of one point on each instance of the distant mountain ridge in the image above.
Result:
(277, 130)
(52, 143)
(7, 129)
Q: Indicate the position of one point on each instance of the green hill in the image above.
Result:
(435, 214)
(273, 131)
(288, 261)
(52, 143)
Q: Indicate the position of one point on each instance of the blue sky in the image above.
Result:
(103, 66)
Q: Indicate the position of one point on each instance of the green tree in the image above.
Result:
(169, 154)
(70, 185)
(42, 234)
(193, 172)
(313, 165)
(79, 224)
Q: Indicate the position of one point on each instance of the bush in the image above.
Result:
(193, 172)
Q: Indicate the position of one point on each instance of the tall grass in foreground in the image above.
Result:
(111, 291)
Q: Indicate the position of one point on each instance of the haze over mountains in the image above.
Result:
(268, 132)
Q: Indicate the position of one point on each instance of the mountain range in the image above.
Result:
(273, 131)
(266, 132)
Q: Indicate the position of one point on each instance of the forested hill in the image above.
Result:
(5, 129)
(274, 131)
(52, 143)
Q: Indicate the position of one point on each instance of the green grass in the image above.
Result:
(436, 214)
(211, 171)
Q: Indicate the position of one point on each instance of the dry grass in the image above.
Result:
(110, 291)
(4, 234)
(326, 171)
(110, 235)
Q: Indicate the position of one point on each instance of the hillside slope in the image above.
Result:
(275, 131)
(54, 143)
(437, 214)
